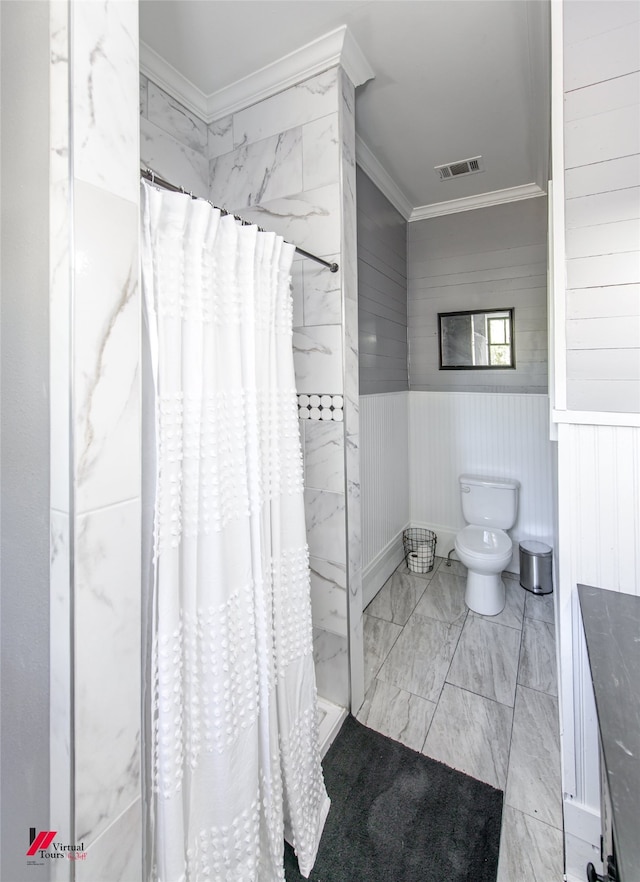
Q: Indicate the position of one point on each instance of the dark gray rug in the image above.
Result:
(398, 816)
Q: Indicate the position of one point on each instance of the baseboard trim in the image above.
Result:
(582, 839)
(446, 536)
(381, 567)
(582, 821)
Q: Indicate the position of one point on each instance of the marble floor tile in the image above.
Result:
(397, 714)
(540, 606)
(486, 660)
(379, 637)
(529, 849)
(421, 656)
(513, 611)
(397, 598)
(443, 599)
(538, 657)
(533, 782)
(471, 734)
(457, 568)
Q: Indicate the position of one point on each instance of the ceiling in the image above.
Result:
(454, 79)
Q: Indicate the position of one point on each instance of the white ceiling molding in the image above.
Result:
(371, 166)
(482, 200)
(353, 60)
(336, 47)
(172, 81)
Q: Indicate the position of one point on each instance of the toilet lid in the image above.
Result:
(481, 541)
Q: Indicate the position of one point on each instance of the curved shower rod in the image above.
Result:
(149, 175)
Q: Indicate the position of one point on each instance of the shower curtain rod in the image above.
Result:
(149, 175)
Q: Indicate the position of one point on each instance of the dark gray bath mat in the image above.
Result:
(398, 816)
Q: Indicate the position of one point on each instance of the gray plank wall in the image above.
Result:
(382, 291)
(602, 208)
(486, 258)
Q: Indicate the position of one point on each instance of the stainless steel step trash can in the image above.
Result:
(536, 567)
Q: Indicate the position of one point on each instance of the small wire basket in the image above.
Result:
(419, 549)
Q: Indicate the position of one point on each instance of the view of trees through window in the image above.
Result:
(476, 340)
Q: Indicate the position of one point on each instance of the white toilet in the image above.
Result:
(489, 506)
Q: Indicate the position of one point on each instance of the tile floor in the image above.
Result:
(476, 693)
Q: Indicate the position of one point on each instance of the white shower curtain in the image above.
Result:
(236, 763)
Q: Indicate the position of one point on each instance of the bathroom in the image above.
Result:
(106, 501)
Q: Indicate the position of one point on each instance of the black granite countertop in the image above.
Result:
(612, 629)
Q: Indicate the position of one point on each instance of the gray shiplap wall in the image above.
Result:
(486, 258)
(602, 208)
(382, 291)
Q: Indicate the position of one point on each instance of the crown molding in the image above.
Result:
(353, 60)
(372, 167)
(336, 47)
(170, 79)
(482, 200)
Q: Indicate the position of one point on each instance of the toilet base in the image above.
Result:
(486, 593)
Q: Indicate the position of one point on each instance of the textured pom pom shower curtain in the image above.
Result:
(235, 762)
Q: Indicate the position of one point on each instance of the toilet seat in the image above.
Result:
(480, 542)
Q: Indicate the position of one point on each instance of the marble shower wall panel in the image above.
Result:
(173, 160)
(173, 141)
(321, 150)
(172, 117)
(256, 173)
(103, 73)
(60, 727)
(351, 389)
(116, 854)
(105, 383)
(107, 688)
(317, 357)
(59, 220)
(325, 516)
(280, 163)
(323, 449)
(303, 103)
(328, 596)
(144, 96)
(322, 294)
(107, 304)
(60, 674)
(310, 219)
(220, 136)
(331, 658)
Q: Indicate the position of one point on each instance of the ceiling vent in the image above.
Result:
(459, 169)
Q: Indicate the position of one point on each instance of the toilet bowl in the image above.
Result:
(489, 506)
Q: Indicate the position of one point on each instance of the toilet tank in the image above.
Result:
(489, 502)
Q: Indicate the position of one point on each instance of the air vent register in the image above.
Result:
(458, 169)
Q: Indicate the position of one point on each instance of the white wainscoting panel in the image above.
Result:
(599, 522)
(384, 465)
(497, 434)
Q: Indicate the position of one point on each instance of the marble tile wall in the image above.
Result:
(61, 723)
(173, 141)
(288, 163)
(95, 437)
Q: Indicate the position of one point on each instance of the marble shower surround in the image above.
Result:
(96, 503)
(173, 141)
(288, 164)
